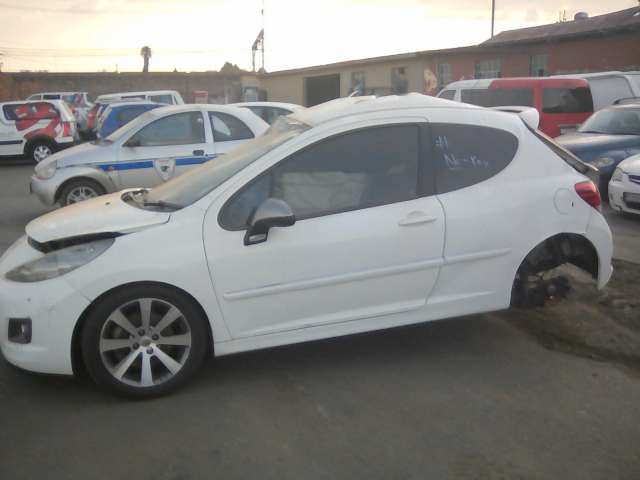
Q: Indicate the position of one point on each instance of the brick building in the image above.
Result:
(601, 43)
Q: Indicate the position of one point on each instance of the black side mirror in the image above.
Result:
(133, 142)
(272, 212)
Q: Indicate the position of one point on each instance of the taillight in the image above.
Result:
(589, 193)
(66, 129)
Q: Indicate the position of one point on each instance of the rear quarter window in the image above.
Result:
(447, 94)
(465, 155)
(30, 111)
(567, 100)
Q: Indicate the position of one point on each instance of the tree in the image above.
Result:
(145, 52)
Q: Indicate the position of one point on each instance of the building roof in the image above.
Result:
(628, 19)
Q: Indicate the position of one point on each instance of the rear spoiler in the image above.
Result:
(529, 115)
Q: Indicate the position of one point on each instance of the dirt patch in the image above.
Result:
(603, 325)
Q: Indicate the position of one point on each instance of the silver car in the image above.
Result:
(148, 151)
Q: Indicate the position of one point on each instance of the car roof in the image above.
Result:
(342, 107)
(144, 92)
(57, 93)
(288, 106)
(514, 81)
(130, 104)
(246, 115)
(624, 106)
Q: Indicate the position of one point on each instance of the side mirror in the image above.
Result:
(272, 212)
(132, 142)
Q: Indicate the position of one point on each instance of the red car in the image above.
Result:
(563, 103)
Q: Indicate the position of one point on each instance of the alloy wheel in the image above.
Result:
(80, 194)
(145, 342)
(41, 152)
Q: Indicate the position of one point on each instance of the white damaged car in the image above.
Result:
(356, 215)
(155, 147)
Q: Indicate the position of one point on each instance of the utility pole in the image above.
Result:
(263, 36)
(493, 15)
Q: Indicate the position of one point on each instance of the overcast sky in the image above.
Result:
(198, 35)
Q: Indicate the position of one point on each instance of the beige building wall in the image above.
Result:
(289, 86)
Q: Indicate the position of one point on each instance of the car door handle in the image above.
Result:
(416, 218)
(198, 153)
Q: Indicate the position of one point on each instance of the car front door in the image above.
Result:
(153, 154)
(368, 240)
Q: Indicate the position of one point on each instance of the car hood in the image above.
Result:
(81, 154)
(578, 142)
(108, 214)
(631, 165)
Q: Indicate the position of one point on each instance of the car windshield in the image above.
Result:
(196, 183)
(613, 121)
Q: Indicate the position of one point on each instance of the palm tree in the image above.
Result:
(145, 52)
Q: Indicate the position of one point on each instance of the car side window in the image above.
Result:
(168, 99)
(9, 112)
(226, 127)
(179, 129)
(128, 114)
(356, 170)
(30, 111)
(468, 154)
(447, 94)
(567, 100)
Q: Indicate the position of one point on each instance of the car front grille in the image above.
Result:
(634, 179)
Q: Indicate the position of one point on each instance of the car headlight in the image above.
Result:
(46, 170)
(603, 162)
(617, 176)
(58, 263)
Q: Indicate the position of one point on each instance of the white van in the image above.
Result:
(170, 97)
(607, 87)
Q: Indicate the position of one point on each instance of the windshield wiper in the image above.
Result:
(162, 204)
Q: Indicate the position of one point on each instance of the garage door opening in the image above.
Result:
(321, 89)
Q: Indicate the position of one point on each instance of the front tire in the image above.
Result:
(80, 190)
(144, 341)
(40, 149)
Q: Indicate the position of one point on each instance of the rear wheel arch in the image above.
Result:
(554, 251)
(77, 361)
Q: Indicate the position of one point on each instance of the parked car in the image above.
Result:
(169, 97)
(352, 216)
(36, 129)
(604, 140)
(608, 87)
(78, 102)
(146, 152)
(624, 187)
(270, 111)
(120, 113)
(563, 103)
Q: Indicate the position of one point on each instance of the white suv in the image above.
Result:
(35, 128)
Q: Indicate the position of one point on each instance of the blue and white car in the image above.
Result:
(155, 147)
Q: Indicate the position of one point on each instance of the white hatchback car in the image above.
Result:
(36, 128)
(151, 149)
(356, 215)
(624, 187)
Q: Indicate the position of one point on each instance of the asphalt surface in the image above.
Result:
(473, 397)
